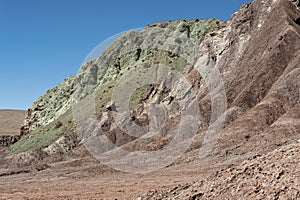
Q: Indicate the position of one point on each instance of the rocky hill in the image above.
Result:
(222, 97)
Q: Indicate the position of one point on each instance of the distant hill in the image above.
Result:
(11, 121)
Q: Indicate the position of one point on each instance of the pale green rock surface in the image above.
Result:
(174, 44)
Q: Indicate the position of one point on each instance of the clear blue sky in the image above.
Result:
(44, 41)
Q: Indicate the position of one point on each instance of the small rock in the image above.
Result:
(279, 175)
(110, 106)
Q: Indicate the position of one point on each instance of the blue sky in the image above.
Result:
(44, 41)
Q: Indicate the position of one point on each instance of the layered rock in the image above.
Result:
(173, 44)
(234, 84)
(243, 73)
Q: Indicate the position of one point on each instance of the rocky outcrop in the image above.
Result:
(241, 85)
(116, 60)
(230, 89)
(173, 44)
(6, 141)
(49, 107)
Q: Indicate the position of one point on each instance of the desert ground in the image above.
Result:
(271, 175)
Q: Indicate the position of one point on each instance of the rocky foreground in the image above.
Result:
(274, 175)
(241, 99)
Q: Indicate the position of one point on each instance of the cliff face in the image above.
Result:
(158, 41)
(240, 86)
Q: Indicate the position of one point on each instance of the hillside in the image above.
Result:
(191, 109)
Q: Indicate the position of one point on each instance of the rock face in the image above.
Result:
(235, 83)
(116, 60)
(49, 107)
(173, 44)
(256, 58)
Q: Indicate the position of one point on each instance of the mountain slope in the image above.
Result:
(204, 100)
(255, 96)
(101, 75)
